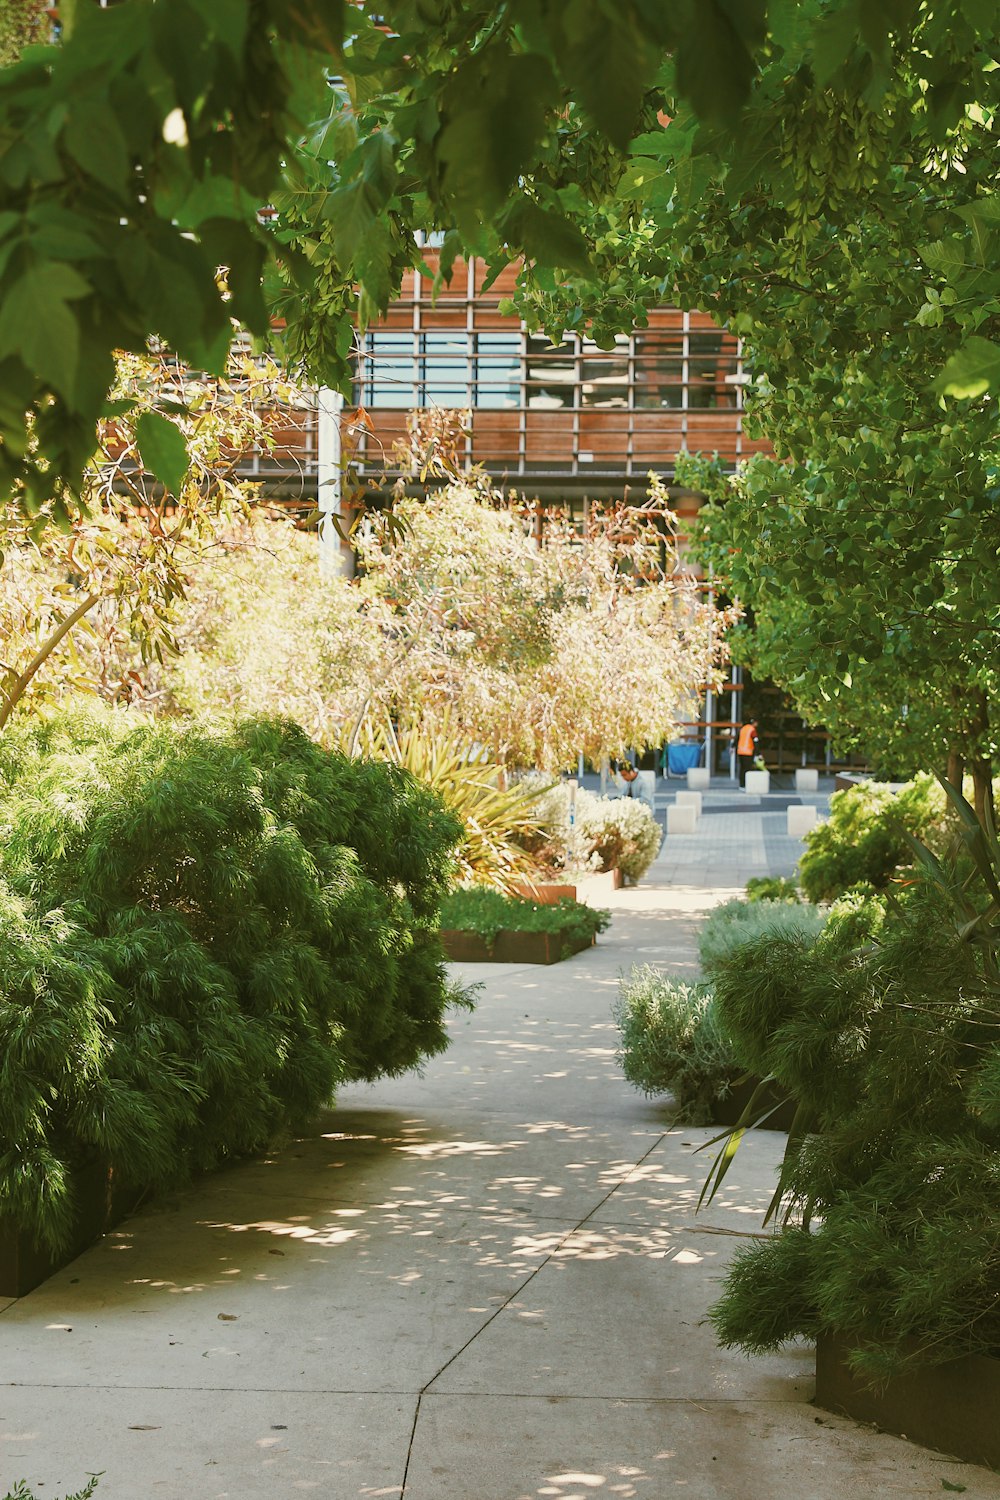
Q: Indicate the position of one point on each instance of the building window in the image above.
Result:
(388, 370)
(659, 370)
(444, 369)
(550, 373)
(712, 358)
(497, 370)
(604, 374)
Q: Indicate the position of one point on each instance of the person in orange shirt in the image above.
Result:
(746, 749)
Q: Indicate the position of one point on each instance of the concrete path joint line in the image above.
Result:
(515, 1294)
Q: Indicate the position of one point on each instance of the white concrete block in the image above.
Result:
(801, 820)
(806, 780)
(758, 782)
(681, 819)
(690, 799)
(698, 778)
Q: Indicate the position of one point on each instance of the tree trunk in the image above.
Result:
(982, 784)
(982, 769)
(956, 768)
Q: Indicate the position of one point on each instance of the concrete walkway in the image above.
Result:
(488, 1283)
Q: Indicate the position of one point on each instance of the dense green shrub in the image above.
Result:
(486, 913)
(886, 1032)
(867, 836)
(672, 1042)
(608, 833)
(735, 923)
(771, 888)
(201, 936)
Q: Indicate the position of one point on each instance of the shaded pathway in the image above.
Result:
(488, 1283)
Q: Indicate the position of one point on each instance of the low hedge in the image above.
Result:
(486, 913)
(201, 935)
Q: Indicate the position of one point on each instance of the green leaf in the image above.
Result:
(94, 139)
(972, 370)
(714, 62)
(163, 450)
(547, 237)
(37, 323)
(608, 63)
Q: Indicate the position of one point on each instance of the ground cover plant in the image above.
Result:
(886, 1034)
(487, 913)
(868, 836)
(672, 1042)
(734, 924)
(201, 936)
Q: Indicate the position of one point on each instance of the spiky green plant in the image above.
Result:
(21, 1491)
(201, 936)
(497, 820)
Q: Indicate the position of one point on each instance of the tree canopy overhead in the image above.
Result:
(135, 155)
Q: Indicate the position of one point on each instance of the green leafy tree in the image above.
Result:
(834, 236)
(138, 151)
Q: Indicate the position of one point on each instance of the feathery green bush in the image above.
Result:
(866, 838)
(886, 1032)
(672, 1042)
(201, 935)
(735, 923)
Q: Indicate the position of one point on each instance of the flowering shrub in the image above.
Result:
(608, 833)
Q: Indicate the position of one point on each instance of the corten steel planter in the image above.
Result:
(511, 947)
(587, 889)
(101, 1203)
(954, 1407)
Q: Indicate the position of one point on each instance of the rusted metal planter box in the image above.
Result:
(589, 889)
(511, 947)
(100, 1205)
(954, 1407)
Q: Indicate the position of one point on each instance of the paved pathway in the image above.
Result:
(488, 1283)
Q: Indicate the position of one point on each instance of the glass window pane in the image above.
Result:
(713, 358)
(445, 369)
(604, 375)
(659, 370)
(551, 372)
(388, 369)
(498, 370)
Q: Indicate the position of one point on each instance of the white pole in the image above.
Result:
(333, 559)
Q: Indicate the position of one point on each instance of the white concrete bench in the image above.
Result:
(681, 819)
(690, 799)
(801, 820)
(698, 778)
(806, 780)
(758, 783)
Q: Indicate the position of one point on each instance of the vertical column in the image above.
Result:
(334, 554)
